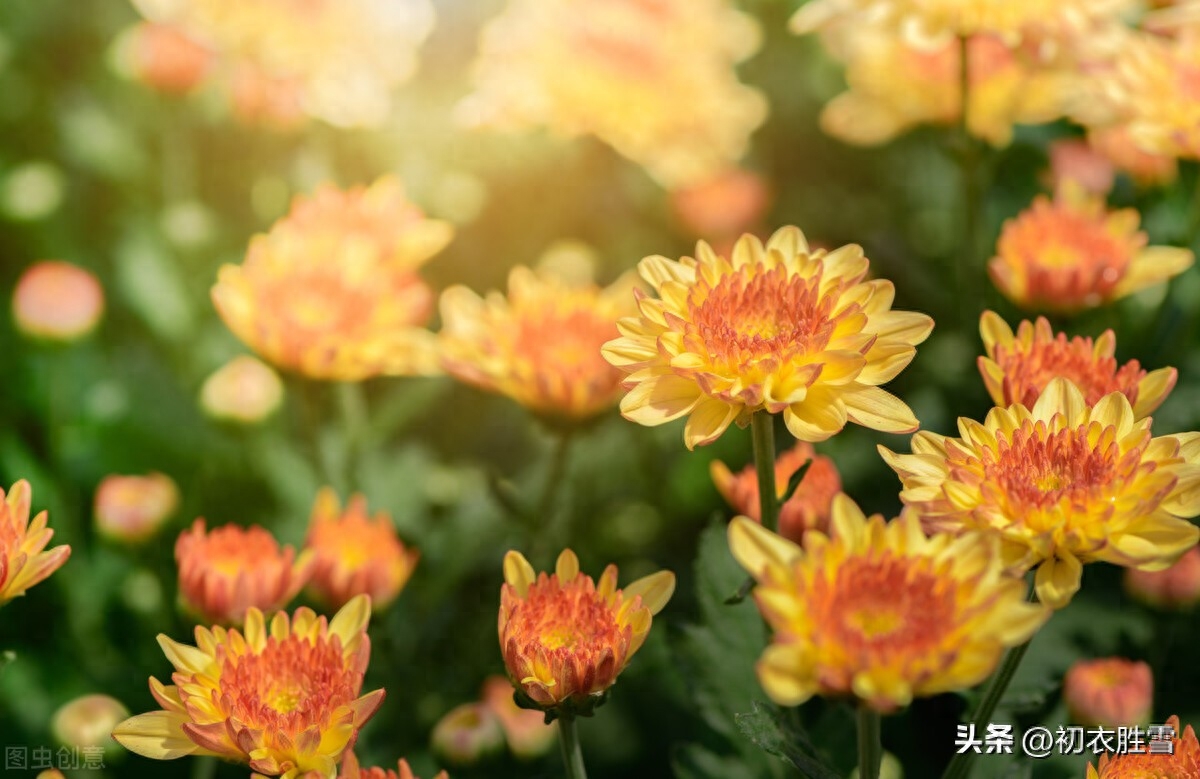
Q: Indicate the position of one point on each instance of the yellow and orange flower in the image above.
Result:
(1072, 253)
(226, 572)
(1181, 762)
(1061, 484)
(564, 638)
(282, 697)
(243, 390)
(895, 85)
(1111, 691)
(808, 508)
(525, 730)
(778, 328)
(332, 290)
(57, 301)
(355, 554)
(352, 770)
(654, 79)
(1018, 367)
(1177, 587)
(22, 561)
(539, 346)
(877, 611)
(132, 509)
(722, 206)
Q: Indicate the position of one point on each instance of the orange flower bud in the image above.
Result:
(165, 58)
(809, 506)
(1110, 692)
(57, 301)
(243, 390)
(1177, 587)
(133, 508)
(467, 735)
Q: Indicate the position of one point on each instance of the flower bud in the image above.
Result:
(1111, 692)
(86, 722)
(1175, 588)
(133, 509)
(244, 390)
(468, 735)
(57, 301)
(526, 730)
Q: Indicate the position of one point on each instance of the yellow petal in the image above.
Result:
(518, 572)
(995, 332)
(1061, 396)
(879, 410)
(821, 415)
(708, 421)
(849, 522)
(351, 619)
(157, 734)
(756, 549)
(567, 566)
(655, 589)
(788, 241)
(1153, 389)
(1058, 579)
(660, 400)
(781, 672)
(187, 659)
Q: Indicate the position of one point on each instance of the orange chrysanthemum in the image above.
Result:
(778, 328)
(1060, 484)
(133, 509)
(541, 345)
(1018, 368)
(355, 554)
(806, 509)
(224, 573)
(565, 639)
(352, 770)
(57, 301)
(1111, 691)
(1071, 253)
(879, 612)
(1181, 762)
(1177, 587)
(283, 698)
(22, 561)
(332, 290)
(165, 58)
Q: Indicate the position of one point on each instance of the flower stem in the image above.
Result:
(568, 739)
(967, 268)
(961, 763)
(762, 431)
(352, 408)
(204, 767)
(870, 748)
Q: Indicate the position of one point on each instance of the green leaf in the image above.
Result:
(765, 728)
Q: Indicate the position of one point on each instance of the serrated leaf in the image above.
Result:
(763, 727)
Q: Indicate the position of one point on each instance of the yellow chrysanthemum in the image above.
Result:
(332, 290)
(283, 697)
(1061, 484)
(22, 561)
(1180, 759)
(778, 328)
(1072, 253)
(343, 57)
(878, 611)
(654, 79)
(565, 639)
(1018, 367)
(541, 345)
(895, 85)
(355, 553)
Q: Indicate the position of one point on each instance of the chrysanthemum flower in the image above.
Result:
(1018, 367)
(653, 79)
(1071, 253)
(565, 639)
(283, 698)
(345, 56)
(22, 561)
(165, 58)
(332, 290)
(808, 508)
(1181, 762)
(778, 328)
(724, 205)
(1111, 691)
(895, 85)
(57, 301)
(1061, 484)
(1177, 587)
(225, 572)
(469, 734)
(879, 612)
(355, 554)
(243, 390)
(539, 346)
(1072, 159)
(352, 770)
(526, 731)
(132, 509)
(1145, 168)
(87, 721)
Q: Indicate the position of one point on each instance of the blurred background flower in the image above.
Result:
(57, 301)
(133, 509)
(1112, 692)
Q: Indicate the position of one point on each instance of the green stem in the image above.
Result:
(204, 768)
(961, 764)
(352, 408)
(870, 747)
(968, 267)
(762, 431)
(568, 739)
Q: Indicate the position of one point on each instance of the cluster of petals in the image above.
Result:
(879, 612)
(1018, 367)
(226, 572)
(282, 697)
(540, 344)
(1060, 484)
(352, 770)
(1182, 761)
(808, 508)
(335, 60)
(354, 553)
(777, 328)
(1071, 253)
(24, 560)
(654, 79)
(565, 638)
(332, 291)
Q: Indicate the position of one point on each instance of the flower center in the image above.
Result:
(570, 620)
(566, 341)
